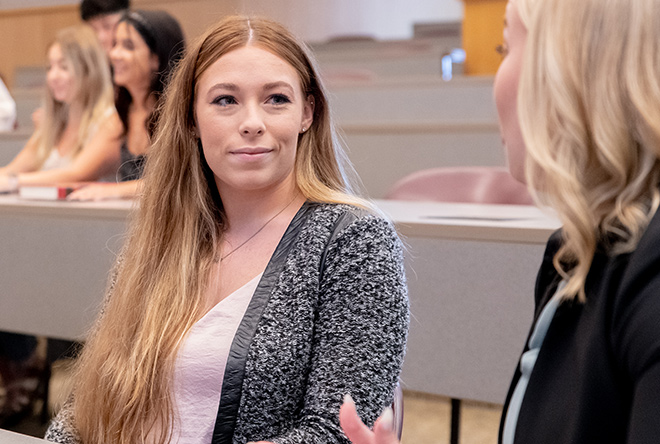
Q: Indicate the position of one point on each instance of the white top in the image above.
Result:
(200, 367)
(7, 109)
(56, 161)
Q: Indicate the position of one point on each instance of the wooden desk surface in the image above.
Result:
(470, 268)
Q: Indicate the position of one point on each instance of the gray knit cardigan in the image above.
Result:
(329, 317)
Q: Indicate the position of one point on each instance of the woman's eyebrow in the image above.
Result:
(225, 86)
(280, 84)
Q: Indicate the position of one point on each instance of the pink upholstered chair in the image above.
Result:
(474, 184)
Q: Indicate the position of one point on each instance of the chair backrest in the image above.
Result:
(488, 185)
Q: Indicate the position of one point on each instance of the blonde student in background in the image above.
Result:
(78, 136)
(578, 96)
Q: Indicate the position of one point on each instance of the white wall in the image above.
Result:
(316, 20)
(16, 4)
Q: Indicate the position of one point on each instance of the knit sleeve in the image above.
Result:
(360, 331)
(61, 429)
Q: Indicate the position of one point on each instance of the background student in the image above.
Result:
(578, 95)
(76, 134)
(103, 16)
(255, 288)
(77, 139)
(148, 44)
(7, 109)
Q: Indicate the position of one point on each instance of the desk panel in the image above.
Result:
(471, 307)
(54, 264)
(470, 268)
(471, 271)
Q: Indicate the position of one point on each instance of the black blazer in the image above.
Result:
(597, 376)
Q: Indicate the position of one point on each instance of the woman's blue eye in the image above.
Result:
(224, 101)
(279, 99)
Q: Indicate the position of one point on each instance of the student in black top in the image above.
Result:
(148, 44)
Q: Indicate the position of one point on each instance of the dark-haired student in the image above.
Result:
(103, 16)
(148, 44)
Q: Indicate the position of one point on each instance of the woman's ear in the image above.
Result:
(308, 114)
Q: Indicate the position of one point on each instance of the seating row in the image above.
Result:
(391, 127)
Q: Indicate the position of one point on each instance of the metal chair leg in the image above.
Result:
(455, 420)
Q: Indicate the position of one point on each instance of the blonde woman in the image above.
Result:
(578, 95)
(255, 289)
(78, 138)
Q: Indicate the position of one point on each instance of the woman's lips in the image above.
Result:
(251, 153)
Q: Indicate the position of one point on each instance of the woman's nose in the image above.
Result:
(114, 53)
(253, 122)
(52, 74)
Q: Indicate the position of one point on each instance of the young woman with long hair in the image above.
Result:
(255, 288)
(74, 142)
(77, 139)
(578, 96)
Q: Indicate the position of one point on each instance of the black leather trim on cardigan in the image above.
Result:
(342, 222)
(232, 384)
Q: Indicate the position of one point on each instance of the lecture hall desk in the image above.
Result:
(471, 271)
(54, 262)
(7, 437)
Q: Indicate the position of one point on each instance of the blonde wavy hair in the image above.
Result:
(94, 91)
(589, 107)
(122, 392)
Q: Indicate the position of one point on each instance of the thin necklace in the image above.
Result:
(222, 258)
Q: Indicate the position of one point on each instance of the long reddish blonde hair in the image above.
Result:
(122, 393)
